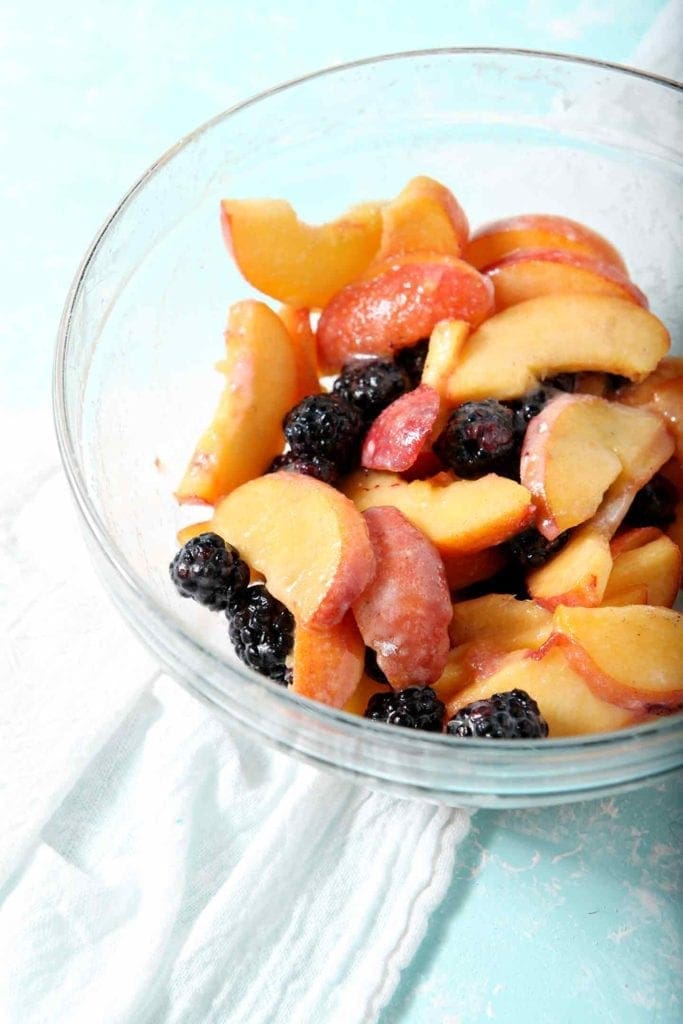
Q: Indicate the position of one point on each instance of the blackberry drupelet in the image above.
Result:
(209, 571)
(530, 549)
(370, 385)
(654, 504)
(412, 361)
(479, 437)
(504, 716)
(262, 631)
(325, 427)
(416, 707)
(321, 469)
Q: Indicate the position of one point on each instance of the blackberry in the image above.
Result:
(654, 504)
(532, 404)
(370, 385)
(262, 631)
(504, 716)
(209, 571)
(372, 668)
(416, 707)
(412, 360)
(321, 469)
(325, 427)
(530, 549)
(479, 438)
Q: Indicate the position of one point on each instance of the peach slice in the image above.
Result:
(298, 324)
(634, 538)
(458, 516)
(445, 345)
(538, 231)
(662, 392)
(464, 570)
(631, 657)
(565, 700)
(193, 530)
(246, 431)
(511, 352)
(399, 304)
(654, 566)
(307, 539)
(509, 623)
(401, 431)
(296, 263)
(527, 273)
(424, 217)
(404, 612)
(327, 664)
(358, 701)
(593, 442)
(576, 575)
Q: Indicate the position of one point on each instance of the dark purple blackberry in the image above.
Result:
(321, 469)
(654, 504)
(325, 427)
(479, 438)
(532, 404)
(412, 361)
(262, 631)
(209, 571)
(416, 707)
(504, 716)
(370, 385)
(530, 549)
(372, 668)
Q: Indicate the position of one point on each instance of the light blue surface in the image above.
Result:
(564, 915)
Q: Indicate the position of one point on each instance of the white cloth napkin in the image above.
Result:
(156, 866)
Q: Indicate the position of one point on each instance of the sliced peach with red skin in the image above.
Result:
(587, 439)
(512, 351)
(538, 231)
(425, 216)
(576, 575)
(445, 345)
(629, 656)
(526, 273)
(654, 566)
(327, 664)
(400, 303)
(308, 540)
(404, 612)
(565, 700)
(297, 263)
(401, 431)
(246, 431)
(298, 324)
(458, 516)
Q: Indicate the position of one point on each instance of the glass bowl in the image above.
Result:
(510, 132)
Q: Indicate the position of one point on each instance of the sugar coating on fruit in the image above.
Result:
(401, 431)
(404, 613)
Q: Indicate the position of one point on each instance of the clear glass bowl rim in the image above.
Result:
(509, 753)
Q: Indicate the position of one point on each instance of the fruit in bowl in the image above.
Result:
(450, 464)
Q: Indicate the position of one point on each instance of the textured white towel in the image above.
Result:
(194, 877)
(157, 867)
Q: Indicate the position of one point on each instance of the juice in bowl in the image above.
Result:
(135, 388)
